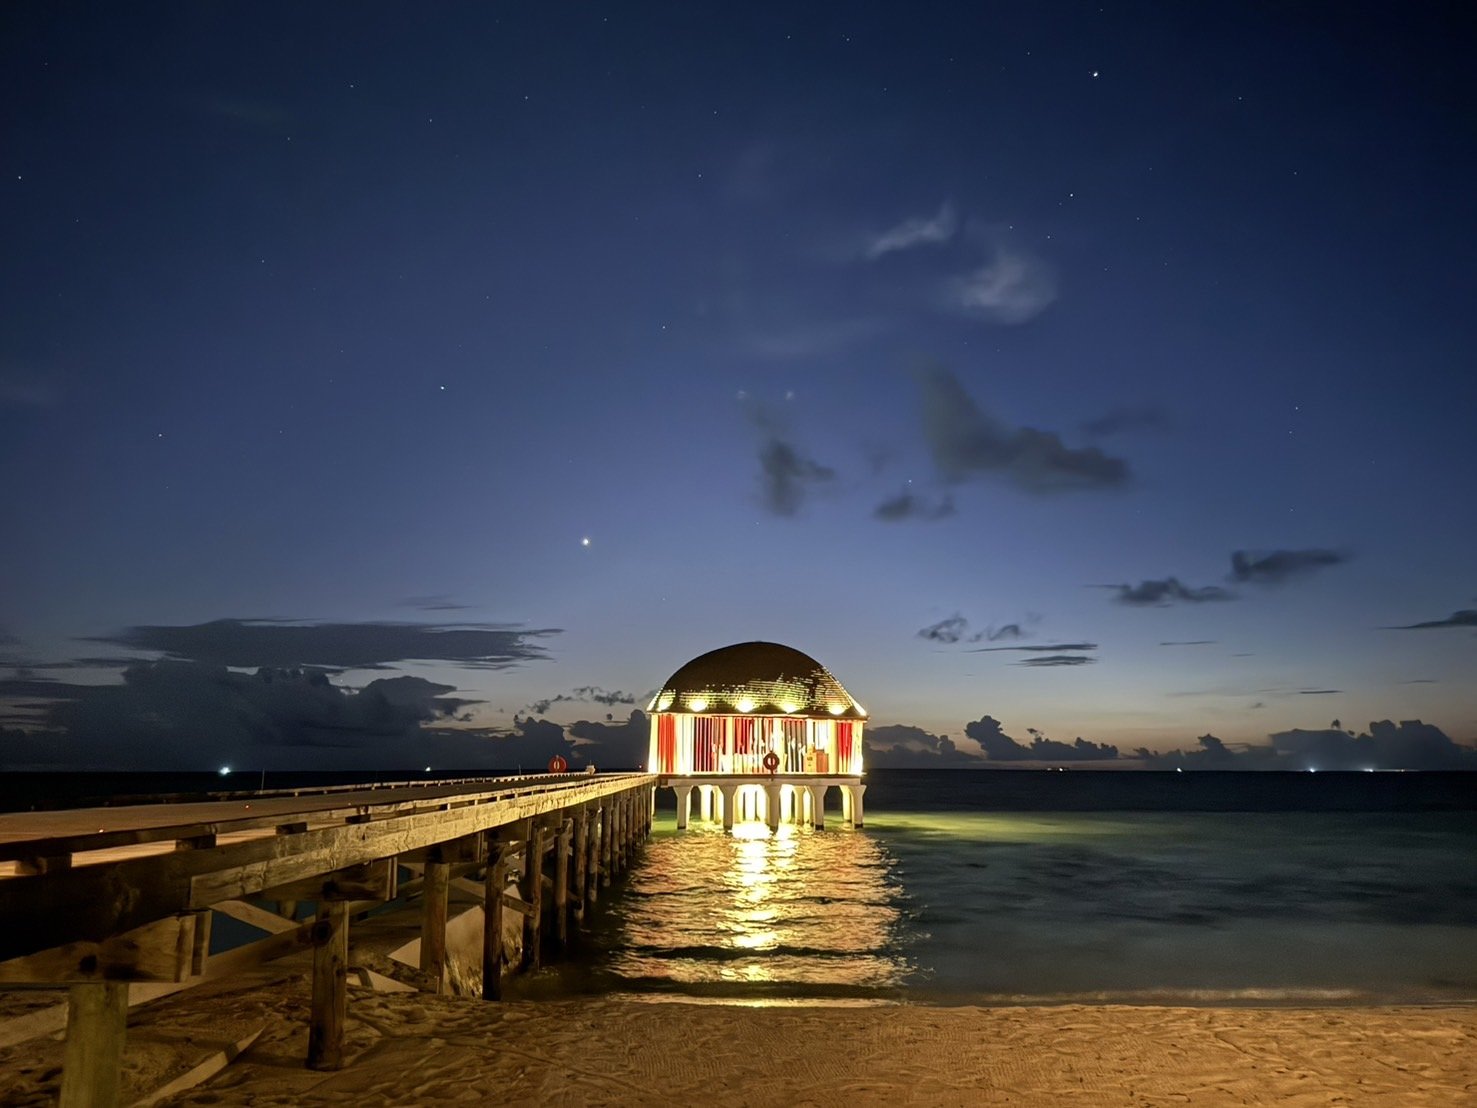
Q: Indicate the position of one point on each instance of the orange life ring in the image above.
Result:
(557, 764)
(771, 761)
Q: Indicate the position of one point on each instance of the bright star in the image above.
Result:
(585, 541)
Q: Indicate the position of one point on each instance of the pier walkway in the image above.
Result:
(116, 903)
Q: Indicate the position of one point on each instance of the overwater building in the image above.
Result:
(759, 731)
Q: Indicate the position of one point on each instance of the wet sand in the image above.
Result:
(408, 1048)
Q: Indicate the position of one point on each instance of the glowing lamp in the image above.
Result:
(788, 706)
(698, 704)
(745, 704)
(835, 707)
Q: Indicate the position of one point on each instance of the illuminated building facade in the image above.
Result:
(759, 731)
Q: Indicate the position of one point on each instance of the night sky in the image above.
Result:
(1100, 370)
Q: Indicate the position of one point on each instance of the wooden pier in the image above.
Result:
(116, 903)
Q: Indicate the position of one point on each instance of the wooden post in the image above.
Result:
(433, 922)
(581, 861)
(492, 920)
(533, 896)
(92, 1066)
(330, 995)
(592, 867)
(561, 884)
(287, 909)
(607, 840)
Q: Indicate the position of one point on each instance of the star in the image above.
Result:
(585, 541)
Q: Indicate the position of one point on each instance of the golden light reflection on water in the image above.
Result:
(796, 908)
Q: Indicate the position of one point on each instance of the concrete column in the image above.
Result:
(728, 798)
(856, 803)
(817, 798)
(772, 802)
(684, 804)
(846, 803)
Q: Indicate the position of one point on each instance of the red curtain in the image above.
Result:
(843, 746)
(666, 743)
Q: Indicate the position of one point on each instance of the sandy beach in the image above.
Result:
(407, 1048)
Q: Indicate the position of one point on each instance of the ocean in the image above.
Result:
(1022, 887)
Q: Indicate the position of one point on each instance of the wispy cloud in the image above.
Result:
(1044, 647)
(949, 630)
(1319, 692)
(910, 505)
(591, 694)
(1276, 566)
(1143, 417)
(815, 339)
(1188, 642)
(1052, 660)
(1013, 287)
(1466, 617)
(250, 643)
(966, 442)
(786, 476)
(1163, 592)
(914, 232)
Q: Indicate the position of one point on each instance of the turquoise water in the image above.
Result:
(953, 905)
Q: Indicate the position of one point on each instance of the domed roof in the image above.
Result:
(762, 678)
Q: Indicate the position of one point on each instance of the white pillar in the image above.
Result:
(856, 803)
(846, 803)
(817, 798)
(772, 806)
(705, 802)
(684, 804)
(728, 799)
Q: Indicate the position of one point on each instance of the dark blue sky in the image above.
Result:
(824, 327)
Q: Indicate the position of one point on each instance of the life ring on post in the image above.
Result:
(771, 761)
(557, 764)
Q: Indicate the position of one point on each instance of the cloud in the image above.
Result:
(1276, 566)
(1161, 593)
(1006, 631)
(1052, 660)
(1059, 646)
(1319, 692)
(949, 630)
(1012, 287)
(1145, 417)
(251, 643)
(1465, 617)
(614, 745)
(908, 505)
(786, 476)
(183, 714)
(1188, 642)
(914, 232)
(899, 745)
(438, 603)
(24, 390)
(1409, 745)
(1000, 747)
(584, 694)
(966, 443)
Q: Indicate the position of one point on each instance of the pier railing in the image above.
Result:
(101, 899)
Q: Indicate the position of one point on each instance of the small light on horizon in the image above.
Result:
(225, 770)
(428, 769)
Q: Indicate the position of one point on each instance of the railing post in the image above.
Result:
(330, 995)
(493, 886)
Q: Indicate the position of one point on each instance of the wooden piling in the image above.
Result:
(561, 884)
(330, 995)
(580, 860)
(492, 919)
(433, 922)
(97, 1020)
(533, 895)
(607, 840)
(592, 866)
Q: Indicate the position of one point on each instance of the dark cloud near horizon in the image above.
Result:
(966, 443)
(1408, 745)
(1165, 591)
(1319, 692)
(1144, 417)
(1464, 617)
(1276, 566)
(584, 694)
(438, 603)
(903, 746)
(1053, 660)
(1000, 747)
(1189, 642)
(613, 745)
(908, 505)
(253, 643)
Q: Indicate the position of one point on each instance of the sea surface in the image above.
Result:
(1098, 887)
(1019, 886)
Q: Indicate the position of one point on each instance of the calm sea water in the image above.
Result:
(1019, 887)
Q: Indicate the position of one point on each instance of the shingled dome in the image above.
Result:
(763, 678)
